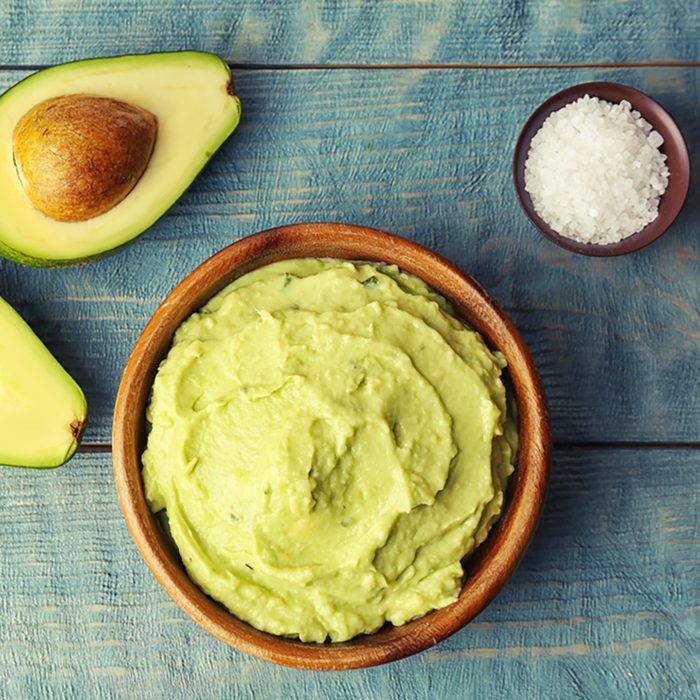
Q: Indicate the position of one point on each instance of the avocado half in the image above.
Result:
(191, 95)
(42, 410)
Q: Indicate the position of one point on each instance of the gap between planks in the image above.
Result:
(461, 66)
(625, 445)
(415, 66)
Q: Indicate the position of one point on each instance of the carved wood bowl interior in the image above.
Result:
(486, 570)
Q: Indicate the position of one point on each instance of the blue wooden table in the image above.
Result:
(398, 115)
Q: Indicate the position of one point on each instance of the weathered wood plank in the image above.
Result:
(355, 31)
(425, 154)
(605, 603)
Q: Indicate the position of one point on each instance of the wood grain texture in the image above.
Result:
(354, 31)
(605, 603)
(425, 154)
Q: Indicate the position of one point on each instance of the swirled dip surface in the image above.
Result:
(328, 442)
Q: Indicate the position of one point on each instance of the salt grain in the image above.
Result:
(594, 171)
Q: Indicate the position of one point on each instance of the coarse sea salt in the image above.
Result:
(594, 171)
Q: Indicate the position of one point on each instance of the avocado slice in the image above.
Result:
(189, 93)
(42, 410)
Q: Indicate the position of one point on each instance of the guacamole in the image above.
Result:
(328, 442)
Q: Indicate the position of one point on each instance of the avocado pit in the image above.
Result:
(78, 156)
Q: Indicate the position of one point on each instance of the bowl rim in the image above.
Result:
(654, 113)
(486, 569)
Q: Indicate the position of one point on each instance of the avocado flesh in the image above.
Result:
(42, 410)
(190, 94)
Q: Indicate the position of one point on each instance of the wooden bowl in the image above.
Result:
(486, 569)
(674, 146)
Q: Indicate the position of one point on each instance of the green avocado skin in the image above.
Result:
(208, 149)
(17, 256)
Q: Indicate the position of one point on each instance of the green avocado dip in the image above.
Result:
(328, 442)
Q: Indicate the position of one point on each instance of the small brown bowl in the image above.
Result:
(674, 146)
(486, 569)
